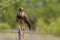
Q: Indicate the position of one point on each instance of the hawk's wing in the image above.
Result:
(26, 19)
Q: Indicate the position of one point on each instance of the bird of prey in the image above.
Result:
(22, 18)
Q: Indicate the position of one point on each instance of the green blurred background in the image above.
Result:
(44, 14)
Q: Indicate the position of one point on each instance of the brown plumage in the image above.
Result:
(22, 18)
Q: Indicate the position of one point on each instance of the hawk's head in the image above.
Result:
(20, 9)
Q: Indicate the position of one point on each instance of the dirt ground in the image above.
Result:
(28, 36)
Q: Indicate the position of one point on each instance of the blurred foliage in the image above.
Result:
(4, 26)
(42, 13)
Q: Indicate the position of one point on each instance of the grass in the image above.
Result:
(27, 36)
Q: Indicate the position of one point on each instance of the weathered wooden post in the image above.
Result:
(20, 34)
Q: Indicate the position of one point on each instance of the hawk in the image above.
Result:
(22, 18)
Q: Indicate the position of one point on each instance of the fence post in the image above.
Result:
(20, 34)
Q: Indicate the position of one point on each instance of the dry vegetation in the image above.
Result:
(27, 36)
